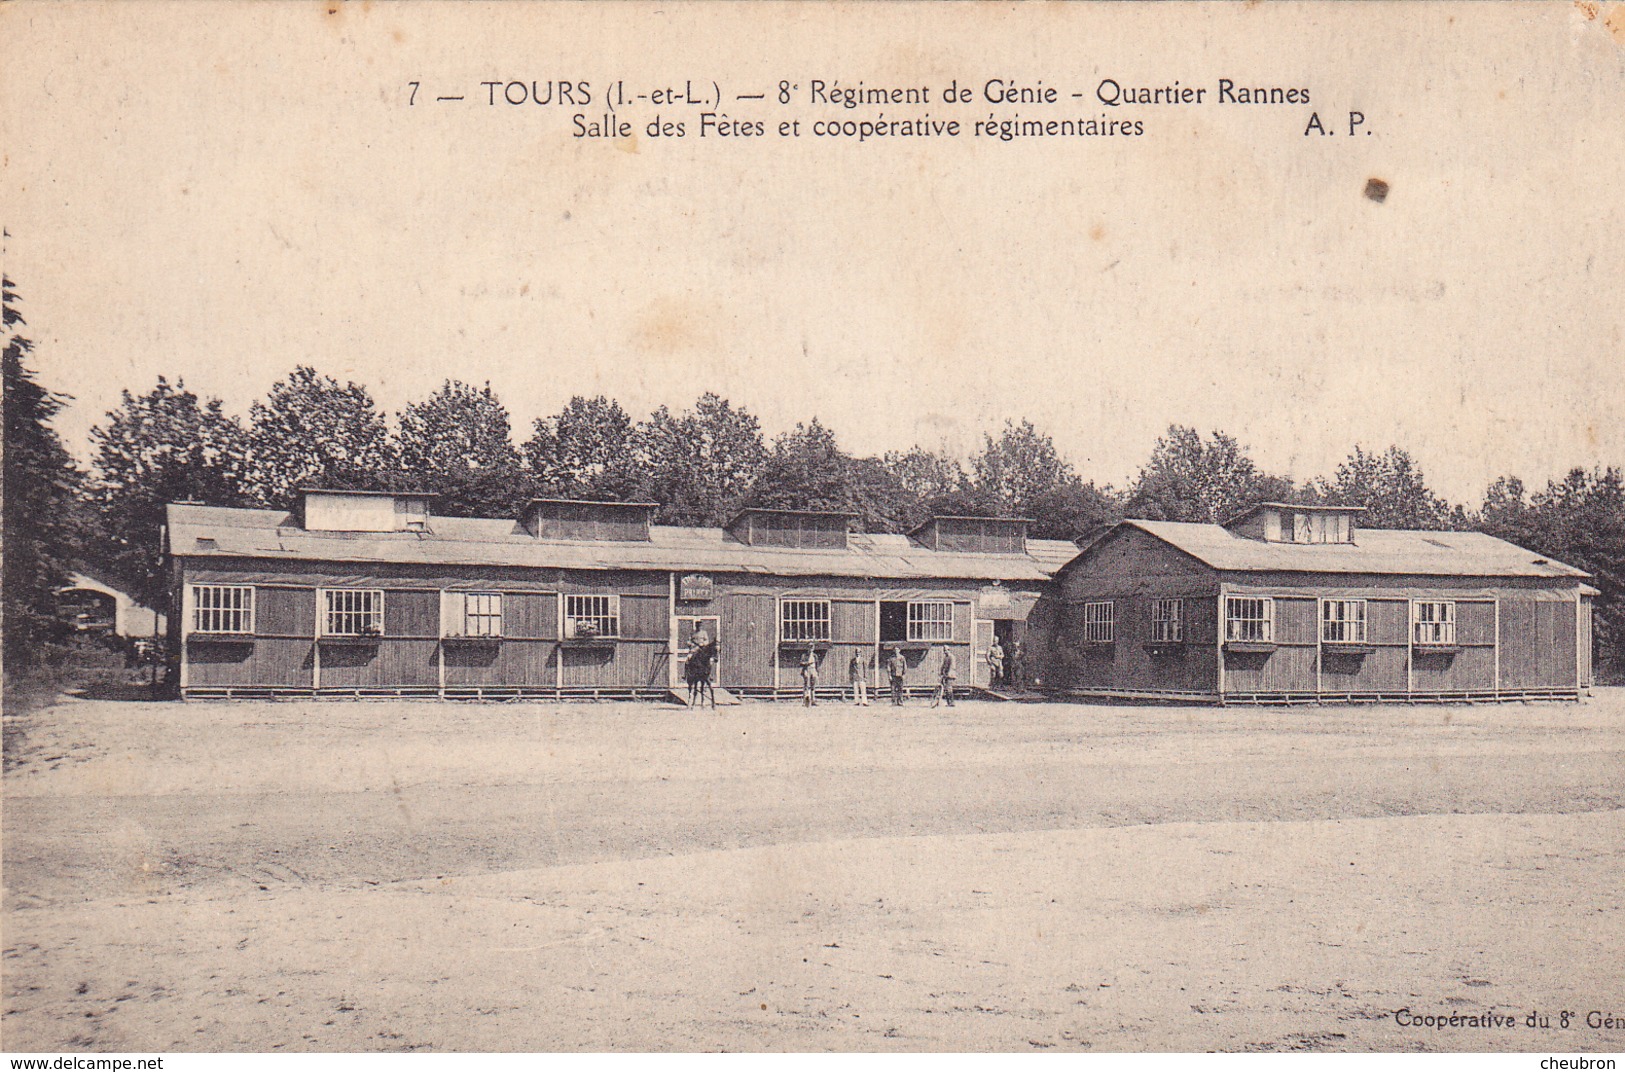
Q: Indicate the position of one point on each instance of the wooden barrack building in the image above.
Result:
(1289, 603)
(360, 593)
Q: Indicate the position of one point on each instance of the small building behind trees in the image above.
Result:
(93, 605)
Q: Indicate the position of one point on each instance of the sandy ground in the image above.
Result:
(395, 876)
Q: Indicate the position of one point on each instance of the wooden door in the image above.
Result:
(981, 674)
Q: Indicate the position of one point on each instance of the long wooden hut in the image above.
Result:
(1289, 603)
(357, 593)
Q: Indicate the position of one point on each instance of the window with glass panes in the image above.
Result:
(1249, 618)
(1434, 621)
(1167, 620)
(222, 608)
(931, 620)
(1342, 621)
(1099, 622)
(353, 612)
(804, 619)
(591, 616)
(482, 614)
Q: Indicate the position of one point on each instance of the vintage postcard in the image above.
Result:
(821, 527)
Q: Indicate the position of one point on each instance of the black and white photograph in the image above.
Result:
(879, 528)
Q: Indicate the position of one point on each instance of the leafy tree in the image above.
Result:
(881, 497)
(933, 482)
(161, 447)
(1071, 509)
(1022, 474)
(1579, 520)
(40, 509)
(699, 466)
(456, 443)
(1189, 479)
(311, 430)
(1016, 469)
(928, 474)
(584, 451)
(805, 470)
(1393, 491)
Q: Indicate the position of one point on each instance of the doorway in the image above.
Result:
(1005, 631)
(687, 626)
(894, 622)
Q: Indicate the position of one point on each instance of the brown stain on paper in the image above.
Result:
(1612, 16)
(674, 325)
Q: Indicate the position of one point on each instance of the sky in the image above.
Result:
(219, 195)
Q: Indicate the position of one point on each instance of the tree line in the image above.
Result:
(700, 465)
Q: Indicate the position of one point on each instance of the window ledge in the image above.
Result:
(1341, 647)
(470, 638)
(1250, 647)
(589, 641)
(347, 638)
(222, 638)
(804, 643)
(1436, 649)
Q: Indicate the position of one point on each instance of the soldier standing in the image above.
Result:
(857, 672)
(946, 673)
(897, 670)
(809, 679)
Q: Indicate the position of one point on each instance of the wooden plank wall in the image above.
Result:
(1132, 569)
(408, 655)
(1537, 643)
(283, 662)
(285, 611)
(531, 615)
(411, 613)
(749, 638)
(1383, 669)
(1537, 630)
(1538, 636)
(216, 662)
(530, 652)
(645, 617)
(852, 628)
(1471, 668)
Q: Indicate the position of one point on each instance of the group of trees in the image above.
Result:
(42, 519)
(700, 466)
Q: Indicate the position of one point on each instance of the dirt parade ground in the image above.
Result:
(427, 876)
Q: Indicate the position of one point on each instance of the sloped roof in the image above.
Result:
(223, 532)
(1382, 551)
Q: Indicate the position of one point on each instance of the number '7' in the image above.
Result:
(413, 99)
